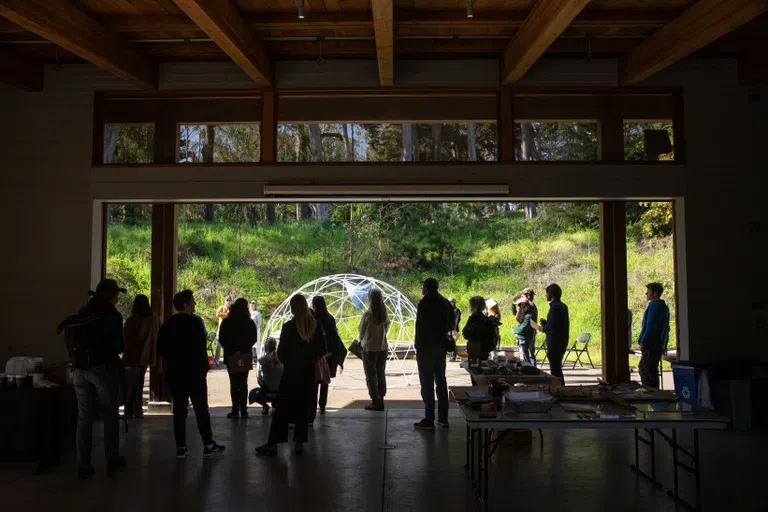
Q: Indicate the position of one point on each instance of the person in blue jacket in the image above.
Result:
(654, 335)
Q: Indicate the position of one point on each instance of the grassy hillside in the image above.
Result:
(268, 262)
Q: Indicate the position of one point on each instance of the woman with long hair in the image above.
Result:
(302, 343)
(373, 338)
(477, 330)
(335, 353)
(140, 334)
(237, 334)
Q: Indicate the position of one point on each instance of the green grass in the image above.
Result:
(498, 260)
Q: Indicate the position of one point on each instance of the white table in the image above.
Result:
(480, 446)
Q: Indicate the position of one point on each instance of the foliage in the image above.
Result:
(564, 141)
(135, 144)
(634, 140)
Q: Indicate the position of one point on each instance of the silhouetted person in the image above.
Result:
(456, 322)
(253, 309)
(433, 325)
(654, 335)
(268, 376)
(140, 352)
(182, 343)
(238, 335)
(525, 310)
(302, 343)
(557, 328)
(373, 328)
(221, 314)
(95, 340)
(335, 354)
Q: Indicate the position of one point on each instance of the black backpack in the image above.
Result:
(81, 333)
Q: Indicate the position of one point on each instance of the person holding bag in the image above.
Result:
(237, 335)
(335, 355)
(373, 339)
(302, 343)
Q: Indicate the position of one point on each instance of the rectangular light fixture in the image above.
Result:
(490, 190)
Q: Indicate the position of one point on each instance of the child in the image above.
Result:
(269, 375)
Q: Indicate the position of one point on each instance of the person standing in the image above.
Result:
(335, 354)
(373, 329)
(456, 322)
(654, 335)
(479, 331)
(556, 328)
(525, 311)
(140, 352)
(95, 340)
(181, 341)
(256, 318)
(221, 314)
(494, 315)
(432, 331)
(302, 343)
(238, 335)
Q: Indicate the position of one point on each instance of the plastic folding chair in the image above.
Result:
(579, 348)
(538, 349)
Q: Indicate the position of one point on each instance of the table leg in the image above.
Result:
(466, 464)
(651, 443)
(486, 466)
(677, 449)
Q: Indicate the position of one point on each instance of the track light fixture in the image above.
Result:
(300, 5)
(470, 4)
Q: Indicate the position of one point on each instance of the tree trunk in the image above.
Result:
(529, 152)
(351, 263)
(271, 217)
(316, 143)
(531, 210)
(348, 151)
(208, 152)
(110, 143)
(436, 128)
(471, 142)
(408, 142)
(321, 211)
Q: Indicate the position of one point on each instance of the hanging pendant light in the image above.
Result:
(300, 6)
(470, 5)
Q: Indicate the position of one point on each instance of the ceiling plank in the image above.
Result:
(19, 72)
(383, 28)
(546, 21)
(223, 23)
(69, 27)
(703, 23)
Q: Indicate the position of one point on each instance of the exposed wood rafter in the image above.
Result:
(383, 28)
(703, 23)
(69, 27)
(546, 21)
(223, 23)
(20, 72)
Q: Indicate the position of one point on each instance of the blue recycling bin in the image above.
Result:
(687, 383)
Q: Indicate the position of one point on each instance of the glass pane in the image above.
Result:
(383, 142)
(219, 144)
(129, 144)
(564, 141)
(129, 250)
(648, 140)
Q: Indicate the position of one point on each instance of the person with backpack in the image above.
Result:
(479, 331)
(94, 338)
(238, 335)
(434, 322)
(182, 343)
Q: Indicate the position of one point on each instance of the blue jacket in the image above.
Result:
(558, 325)
(655, 330)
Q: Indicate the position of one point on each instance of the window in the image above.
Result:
(648, 141)
(129, 144)
(218, 144)
(387, 142)
(564, 141)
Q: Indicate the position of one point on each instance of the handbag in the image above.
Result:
(322, 371)
(239, 362)
(356, 348)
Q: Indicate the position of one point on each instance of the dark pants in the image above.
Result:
(319, 397)
(555, 354)
(375, 365)
(431, 362)
(96, 388)
(649, 366)
(290, 411)
(134, 390)
(261, 396)
(526, 352)
(197, 392)
(238, 391)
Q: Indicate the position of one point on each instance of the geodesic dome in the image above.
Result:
(346, 296)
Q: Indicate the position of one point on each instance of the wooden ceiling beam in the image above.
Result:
(223, 23)
(703, 23)
(546, 21)
(383, 29)
(19, 72)
(71, 28)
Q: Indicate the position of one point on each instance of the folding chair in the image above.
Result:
(538, 349)
(579, 348)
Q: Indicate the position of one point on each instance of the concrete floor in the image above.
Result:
(346, 468)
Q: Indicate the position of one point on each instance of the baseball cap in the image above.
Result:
(107, 287)
(431, 283)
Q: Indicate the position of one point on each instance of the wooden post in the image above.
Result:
(268, 127)
(610, 138)
(506, 125)
(613, 275)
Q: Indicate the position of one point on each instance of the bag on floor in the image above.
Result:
(239, 362)
(322, 371)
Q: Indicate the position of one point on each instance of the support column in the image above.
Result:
(268, 127)
(163, 279)
(613, 276)
(506, 126)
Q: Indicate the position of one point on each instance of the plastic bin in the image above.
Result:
(687, 383)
